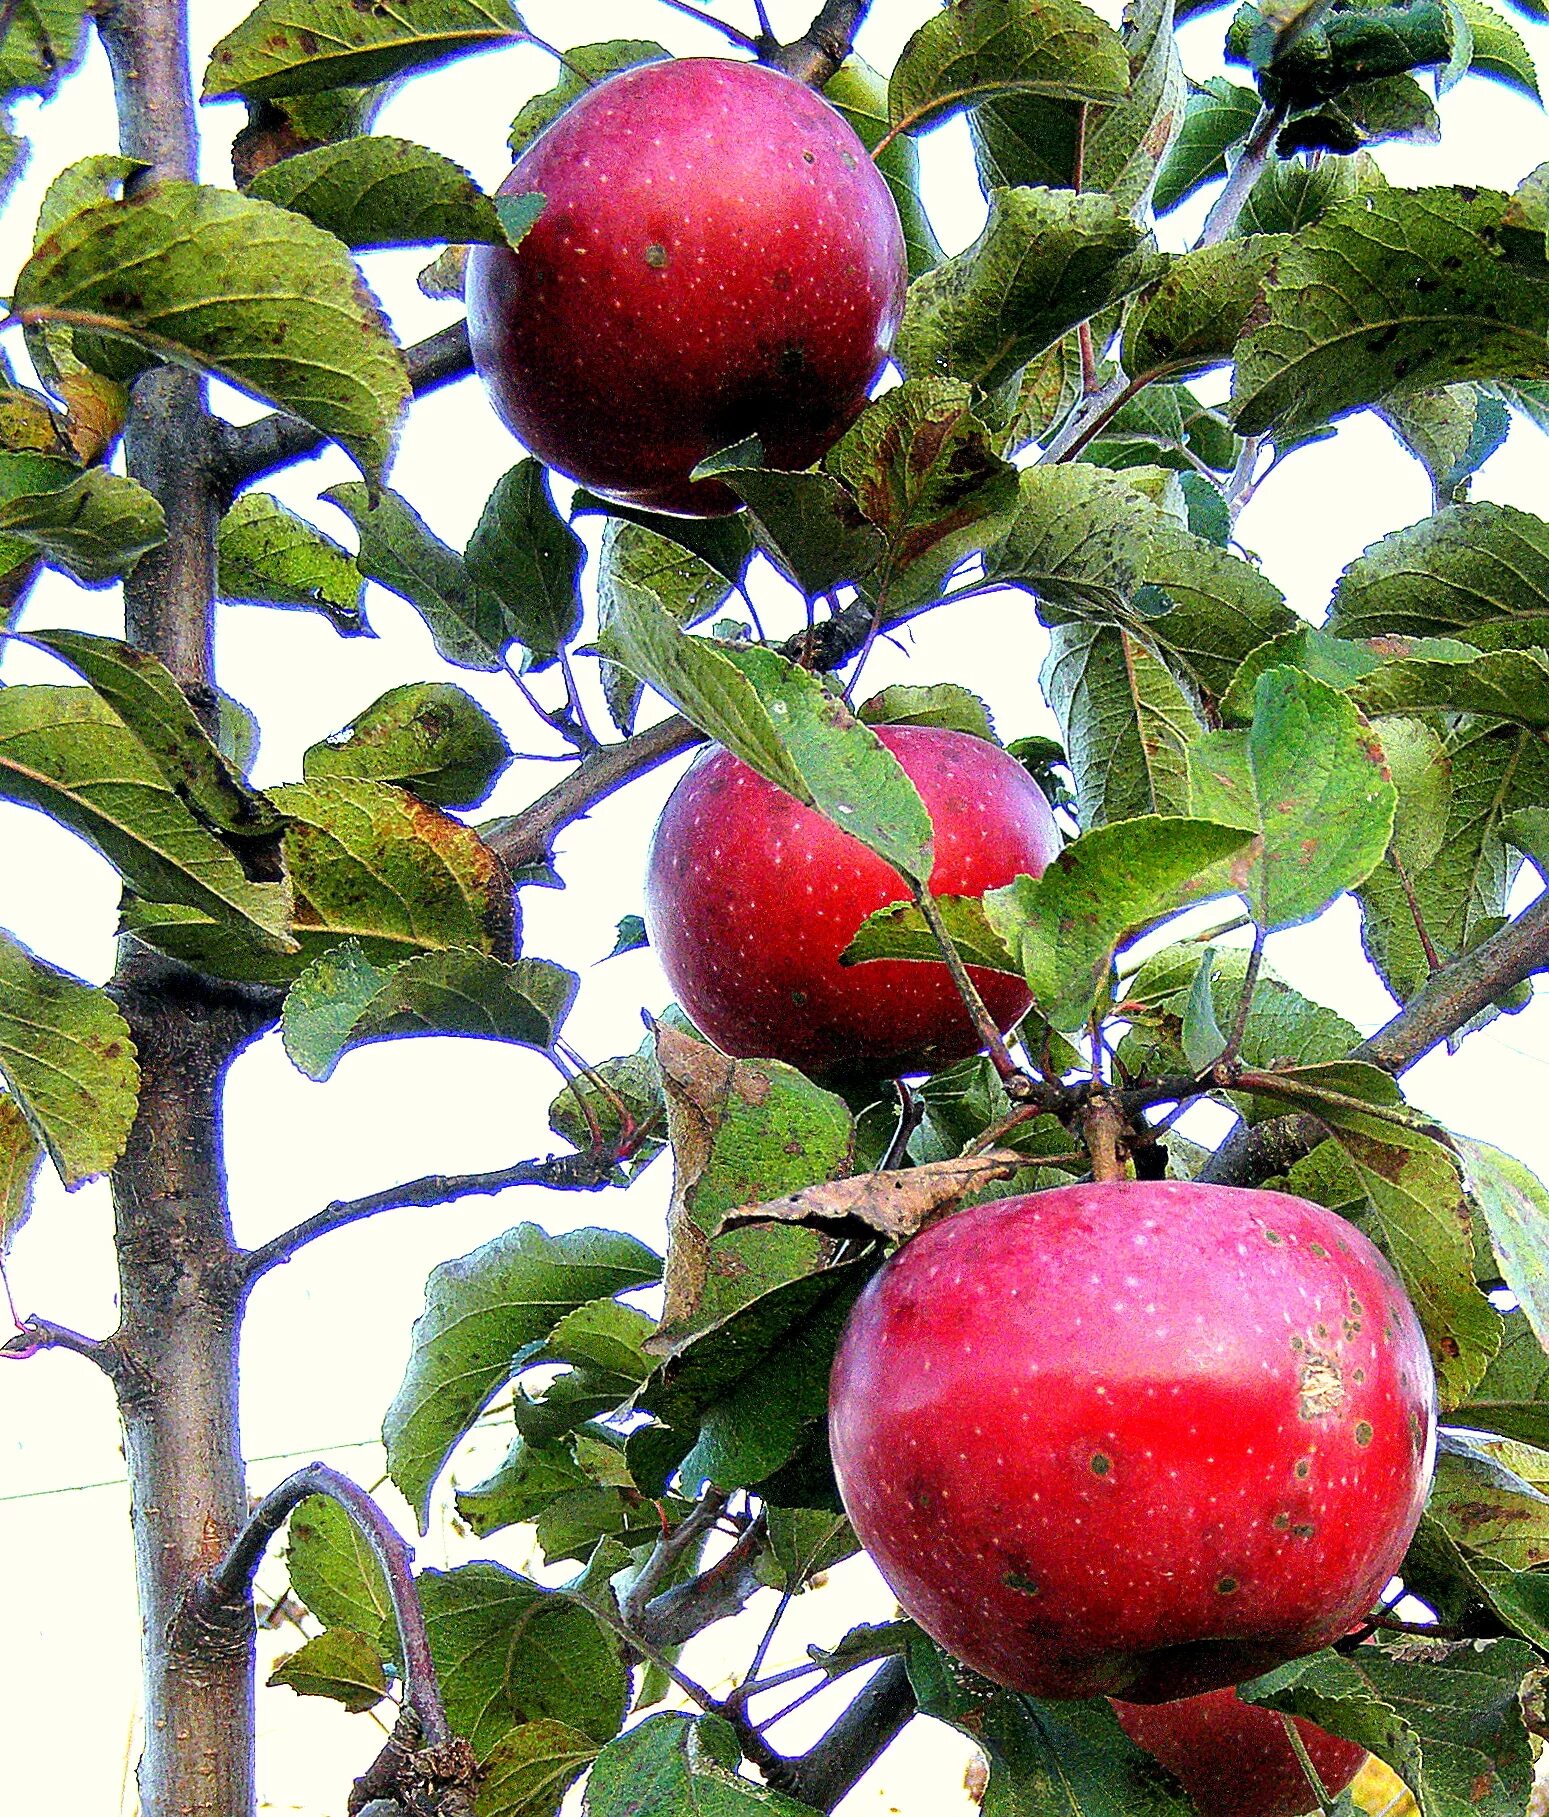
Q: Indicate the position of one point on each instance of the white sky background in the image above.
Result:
(328, 1334)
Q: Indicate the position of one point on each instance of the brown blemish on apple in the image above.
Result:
(1322, 1387)
(1019, 1580)
(656, 256)
(1101, 1463)
(1226, 1586)
(1363, 1432)
(1302, 1468)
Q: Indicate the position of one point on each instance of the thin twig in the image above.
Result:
(911, 1114)
(731, 32)
(578, 1172)
(34, 1335)
(1245, 173)
(1299, 1748)
(1250, 979)
(1427, 946)
(669, 1550)
(1091, 418)
(990, 1037)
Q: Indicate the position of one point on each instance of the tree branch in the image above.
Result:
(1450, 1001)
(580, 1172)
(35, 1335)
(1245, 173)
(249, 451)
(716, 1594)
(823, 47)
(826, 1772)
(423, 1752)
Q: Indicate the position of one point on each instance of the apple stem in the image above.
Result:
(1102, 1129)
(911, 1113)
(1299, 1748)
(990, 1037)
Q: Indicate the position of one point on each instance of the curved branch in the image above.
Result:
(34, 1335)
(247, 452)
(828, 1771)
(580, 1172)
(232, 1579)
(817, 54)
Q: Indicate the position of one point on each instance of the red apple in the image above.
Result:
(1140, 1439)
(718, 257)
(1234, 1759)
(750, 898)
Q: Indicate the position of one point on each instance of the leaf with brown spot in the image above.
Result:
(66, 1055)
(925, 472)
(742, 1132)
(897, 1202)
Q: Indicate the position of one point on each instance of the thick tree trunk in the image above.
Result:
(178, 1397)
(179, 1293)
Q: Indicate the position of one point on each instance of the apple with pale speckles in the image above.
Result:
(1139, 1439)
(717, 258)
(1234, 1758)
(751, 896)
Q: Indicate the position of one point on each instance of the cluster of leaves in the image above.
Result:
(1045, 437)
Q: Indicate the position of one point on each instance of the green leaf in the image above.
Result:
(1367, 113)
(1499, 49)
(1219, 114)
(295, 47)
(1512, 1396)
(780, 720)
(1045, 1758)
(530, 1768)
(1046, 260)
(1127, 143)
(1492, 770)
(65, 751)
(469, 625)
(723, 543)
(524, 554)
(1511, 685)
(1308, 777)
(942, 703)
(983, 48)
(94, 525)
(509, 1652)
(144, 695)
(585, 65)
(1476, 572)
(340, 1664)
(1064, 927)
(1293, 193)
(43, 42)
(335, 1573)
(367, 862)
(1219, 607)
(231, 286)
(342, 1001)
(1125, 719)
(636, 561)
(268, 556)
(1323, 51)
(479, 1310)
(1397, 291)
(1079, 539)
(378, 191)
(66, 1054)
(1414, 1202)
(1192, 319)
(1201, 1037)
(922, 468)
(1447, 1719)
(21, 1158)
(1452, 432)
(804, 1542)
(1339, 661)
(1515, 1207)
(754, 1387)
(806, 523)
(634, 1084)
(859, 93)
(673, 1765)
(531, 1478)
(429, 737)
(1488, 1496)
(900, 931)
